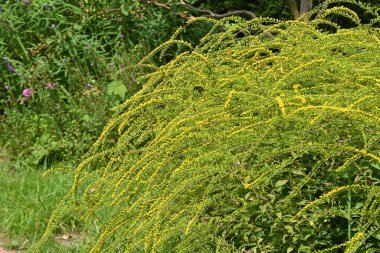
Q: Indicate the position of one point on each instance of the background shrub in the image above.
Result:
(57, 71)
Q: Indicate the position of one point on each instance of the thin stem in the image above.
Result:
(349, 214)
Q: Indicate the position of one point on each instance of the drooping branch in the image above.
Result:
(208, 13)
(305, 6)
(165, 6)
(323, 9)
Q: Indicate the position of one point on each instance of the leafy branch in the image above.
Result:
(211, 14)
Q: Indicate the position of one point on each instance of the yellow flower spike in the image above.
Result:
(79, 170)
(361, 100)
(229, 98)
(354, 242)
(332, 248)
(281, 104)
(302, 98)
(328, 195)
(164, 46)
(296, 87)
(173, 62)
(249, 185)
(306, 65)
(361, 151)
(200, 56)
(347, 162)
(345, 110)
(193, 219)
(312, 122)
(253, 50)
(248, 128)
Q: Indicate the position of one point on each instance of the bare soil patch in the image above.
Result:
(2, 242)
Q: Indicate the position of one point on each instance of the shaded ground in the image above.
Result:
(3, 250)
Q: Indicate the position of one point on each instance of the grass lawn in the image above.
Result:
(26, 202)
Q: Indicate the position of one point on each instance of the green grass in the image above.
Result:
(26, 202)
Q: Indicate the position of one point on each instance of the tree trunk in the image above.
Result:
(294, 9)
(306, 5)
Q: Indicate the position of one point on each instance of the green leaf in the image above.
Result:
(77, 27)
(377, 235)
(281, 183)
(37, 154)
(73, 8)
(289, 229)
(86, 118)
(49, 40)
(116, 88)
(298, 172)
(359, 205)
(375, 165)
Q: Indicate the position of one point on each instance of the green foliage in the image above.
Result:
(263, 136)
(61, 131)
(64, 55)
(117, 88)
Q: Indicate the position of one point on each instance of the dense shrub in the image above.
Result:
(264, 137)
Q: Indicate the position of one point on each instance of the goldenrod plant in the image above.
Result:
(264, 137)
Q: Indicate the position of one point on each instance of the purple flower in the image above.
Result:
(27, 93)
(50, 85)
(6, 87)
(9, 65)
(11, 68)
(27, 2)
